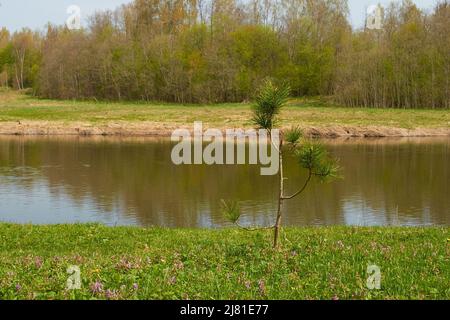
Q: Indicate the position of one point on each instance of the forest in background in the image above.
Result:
(210, 51)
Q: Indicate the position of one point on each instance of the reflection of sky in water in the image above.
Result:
(357, 212)
(135, 184)
(40, 203)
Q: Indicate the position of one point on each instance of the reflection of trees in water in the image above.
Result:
(410, 178)
(140, 178)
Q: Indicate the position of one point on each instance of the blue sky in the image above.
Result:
(16, 14)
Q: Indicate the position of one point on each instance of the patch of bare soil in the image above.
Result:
(374, 132)
(158, 129)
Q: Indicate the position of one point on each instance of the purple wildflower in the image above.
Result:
(96, 287)
(110, 294)
(173, 280)
(262, 287)
(38, 262)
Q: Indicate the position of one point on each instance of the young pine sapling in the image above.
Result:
(310, 155)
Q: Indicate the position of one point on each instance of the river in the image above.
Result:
(132, 181)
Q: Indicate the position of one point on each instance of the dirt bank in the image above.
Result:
(158, 129)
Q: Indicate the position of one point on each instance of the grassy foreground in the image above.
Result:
(15, 107)
(135, 263)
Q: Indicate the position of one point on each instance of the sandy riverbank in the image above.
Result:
(158, 129)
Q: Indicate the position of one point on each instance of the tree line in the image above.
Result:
(198, 51)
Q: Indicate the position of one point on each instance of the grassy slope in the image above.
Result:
(18, 107)
(314, 263)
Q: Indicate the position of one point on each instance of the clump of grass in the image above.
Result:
(231, 210)
(293, 135)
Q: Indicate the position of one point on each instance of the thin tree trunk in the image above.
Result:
(280, 198)
(17, 76)
(22, 63)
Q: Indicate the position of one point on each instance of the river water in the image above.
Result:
(132, 181)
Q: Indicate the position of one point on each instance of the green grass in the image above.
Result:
(308, 112)
(135, 263)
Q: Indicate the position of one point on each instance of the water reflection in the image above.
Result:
(132, 181)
